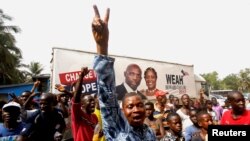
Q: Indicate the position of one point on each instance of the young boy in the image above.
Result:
(175, 131)
(204, 119)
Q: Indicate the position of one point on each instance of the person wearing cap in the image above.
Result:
(12, 125)
(160, 105)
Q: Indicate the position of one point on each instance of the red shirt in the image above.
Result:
(227, 118)
(83, 124)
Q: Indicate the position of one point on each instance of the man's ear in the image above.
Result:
(199, 123)
(168, 123)
(124, 73)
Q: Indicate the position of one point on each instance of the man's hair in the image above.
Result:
(172, 114)
(26, 91)
(133, 66)
(208, 102)
(194, 109)
(50, 98)
(171, 96)
(230, 96)
(200, 114)
(127, 95)
(149, 103)
(184, 95)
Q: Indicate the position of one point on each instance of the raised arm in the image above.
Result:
(78, 92)
(29, 99)
(36, 84)
(114, 123)
(62, 89)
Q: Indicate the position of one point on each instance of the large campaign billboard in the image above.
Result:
(176, 79)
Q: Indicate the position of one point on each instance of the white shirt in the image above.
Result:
(129, 90)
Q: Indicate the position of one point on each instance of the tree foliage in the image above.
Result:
(231, 82)
(10, 54)
(244, 80)
(35, 68)
(240, 81)
(213, 80)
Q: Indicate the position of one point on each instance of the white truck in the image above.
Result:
(176, 79)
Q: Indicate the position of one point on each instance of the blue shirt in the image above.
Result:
(42, 126)
(10, 135)
(189, 132)
(115, 124)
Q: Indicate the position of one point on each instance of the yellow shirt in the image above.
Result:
(96, 135)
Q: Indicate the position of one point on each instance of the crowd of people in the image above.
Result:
(115, 113)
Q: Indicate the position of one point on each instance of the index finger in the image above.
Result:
(106, 18)
(97, 15)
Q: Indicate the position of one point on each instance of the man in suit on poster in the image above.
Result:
(133, 78)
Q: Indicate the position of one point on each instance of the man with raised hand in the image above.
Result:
(117, 125)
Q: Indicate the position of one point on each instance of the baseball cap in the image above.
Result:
(11, 104)
(160, 93)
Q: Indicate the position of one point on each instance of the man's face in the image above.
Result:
(205, 120)
(88, 103)
(133, 76)
(149, 110)
(134, 110)
(193, 117)
(160, 105)
(46, 104)
(185, 100)
(238, 103)
(214, 101)
(24, 96)
(10, 114)
(171, 98)
(64, 98)
(209, 105)
(176, 101)
(175, 124)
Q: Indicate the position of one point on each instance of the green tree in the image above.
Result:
(232, 82)
(213, 80)
(10, 54)
(244, 80)
(35, 68)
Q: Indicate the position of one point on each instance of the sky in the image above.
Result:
(212, 35)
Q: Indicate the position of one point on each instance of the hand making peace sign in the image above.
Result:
(100, 31)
